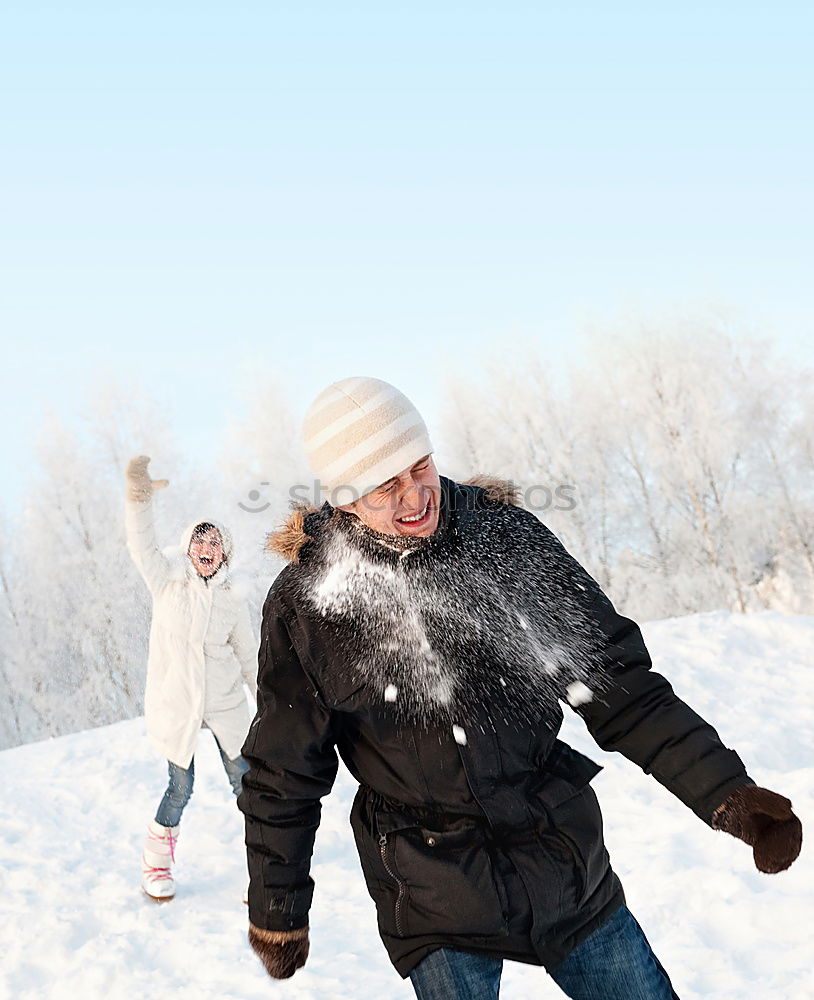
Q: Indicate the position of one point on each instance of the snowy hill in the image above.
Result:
(73, 921)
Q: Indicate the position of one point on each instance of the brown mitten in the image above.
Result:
(140, 487)
(281, 952)
(764, 820)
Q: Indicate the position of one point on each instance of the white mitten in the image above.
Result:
(140, 487)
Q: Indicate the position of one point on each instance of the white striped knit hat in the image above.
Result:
(359, 433)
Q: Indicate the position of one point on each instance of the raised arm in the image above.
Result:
(139, 525)
(293, 763)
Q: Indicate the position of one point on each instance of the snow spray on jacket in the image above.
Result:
(442, 626)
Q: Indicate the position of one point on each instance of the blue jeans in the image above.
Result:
(614, 963)
(182, 779)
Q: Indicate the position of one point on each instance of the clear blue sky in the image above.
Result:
(335, 188)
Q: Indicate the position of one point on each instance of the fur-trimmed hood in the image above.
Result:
(181, 563)
(289, 538)
(225, 535)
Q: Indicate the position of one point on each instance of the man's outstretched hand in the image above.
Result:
(763, 820)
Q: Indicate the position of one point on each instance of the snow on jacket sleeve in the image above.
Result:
(639, 715)
(292, 764)
(244, 644)
(141, 544)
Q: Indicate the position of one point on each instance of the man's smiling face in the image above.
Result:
(407, 504)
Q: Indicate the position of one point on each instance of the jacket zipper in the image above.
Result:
(397, 879)
(209, 597)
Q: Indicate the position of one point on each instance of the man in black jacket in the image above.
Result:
(428, 631)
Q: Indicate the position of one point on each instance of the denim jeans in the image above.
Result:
(614, 963)
(182, 779)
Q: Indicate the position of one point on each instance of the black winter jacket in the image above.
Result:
(436, 675)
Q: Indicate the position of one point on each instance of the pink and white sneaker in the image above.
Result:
(157, 860)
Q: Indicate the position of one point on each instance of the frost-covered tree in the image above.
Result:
(689, 457)
(525, 427)
(780, 407)
(74, 612)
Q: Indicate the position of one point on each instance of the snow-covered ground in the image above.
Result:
(74, 923)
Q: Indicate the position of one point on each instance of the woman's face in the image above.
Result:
(206, 553)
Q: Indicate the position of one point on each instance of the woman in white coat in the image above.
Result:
(202, 650)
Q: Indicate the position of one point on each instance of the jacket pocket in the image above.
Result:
(343, 690)
(428, 880)
(574, 817)
(577, 822)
